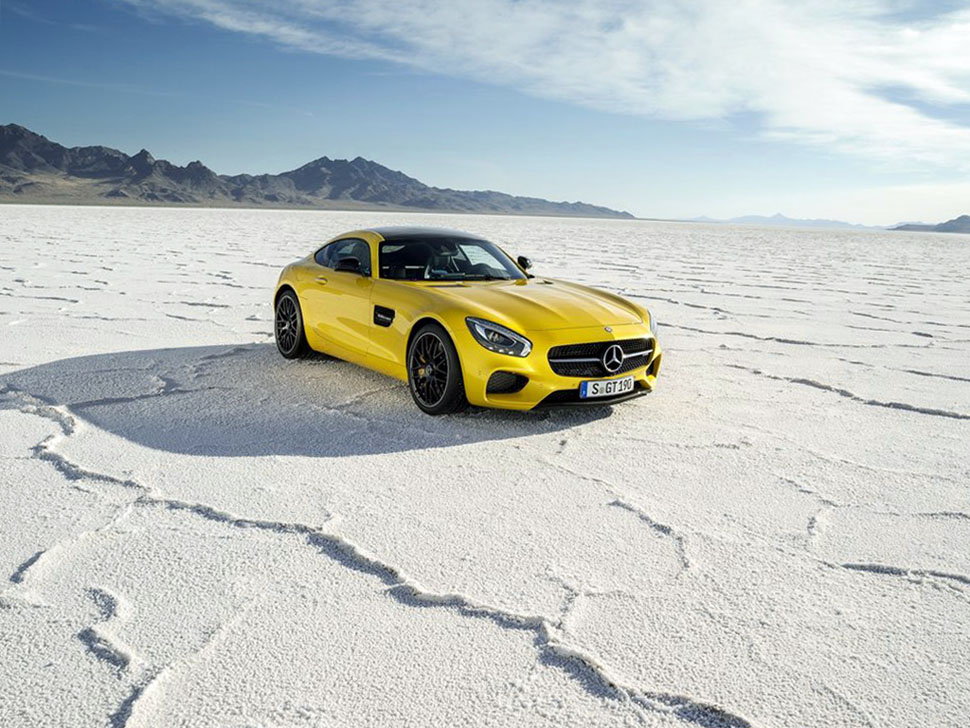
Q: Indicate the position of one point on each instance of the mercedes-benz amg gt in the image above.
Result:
(463, 323)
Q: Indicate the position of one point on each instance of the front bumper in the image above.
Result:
(544, 387)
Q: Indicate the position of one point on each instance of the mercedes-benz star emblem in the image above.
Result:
(612, 358)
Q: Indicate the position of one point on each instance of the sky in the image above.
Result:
(847, 109)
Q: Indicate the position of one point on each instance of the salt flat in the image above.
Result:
(195, 532)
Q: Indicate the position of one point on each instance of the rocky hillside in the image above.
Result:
(33, 168)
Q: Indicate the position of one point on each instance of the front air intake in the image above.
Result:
(505, 383)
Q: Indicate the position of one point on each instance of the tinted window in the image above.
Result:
(438, 258)
(323, 255)
(329, 255)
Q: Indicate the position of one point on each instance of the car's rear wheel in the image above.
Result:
(434, 372)
(290, 337)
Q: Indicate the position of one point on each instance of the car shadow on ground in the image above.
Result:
(246, 400)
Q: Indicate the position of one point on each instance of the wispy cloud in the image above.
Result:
(115, 87)
(130, 89)
(819, 72)
(28, 14)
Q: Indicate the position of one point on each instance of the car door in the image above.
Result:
(395, 304)
(337, 303)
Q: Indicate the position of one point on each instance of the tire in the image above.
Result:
(440, 391)
(288, 325)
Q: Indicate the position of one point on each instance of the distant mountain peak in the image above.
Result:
(144, 156)
(16, 130)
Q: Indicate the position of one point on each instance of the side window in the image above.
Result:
(328, 255)
(322, 256)
(404, 261)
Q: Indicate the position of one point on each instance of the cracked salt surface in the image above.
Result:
(196, 532)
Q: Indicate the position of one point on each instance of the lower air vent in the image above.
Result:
(505, 383)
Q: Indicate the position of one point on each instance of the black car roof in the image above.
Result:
(411, 232)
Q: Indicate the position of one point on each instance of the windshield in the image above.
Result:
(445, 259)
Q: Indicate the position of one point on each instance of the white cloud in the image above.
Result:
(822, 72)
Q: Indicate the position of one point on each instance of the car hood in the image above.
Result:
(541, 304)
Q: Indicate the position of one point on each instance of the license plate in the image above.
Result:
(605, 387)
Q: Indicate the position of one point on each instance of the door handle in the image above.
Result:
(321, 279)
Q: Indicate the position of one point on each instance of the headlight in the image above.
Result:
(498, 338)
(653, 324)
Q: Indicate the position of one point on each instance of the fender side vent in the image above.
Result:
(383, 316)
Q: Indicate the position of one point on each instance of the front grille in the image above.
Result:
(505, 383)
(586, 360)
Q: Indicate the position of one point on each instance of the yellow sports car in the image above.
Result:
(460, 321)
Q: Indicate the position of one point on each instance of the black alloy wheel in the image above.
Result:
(434, 372)
(290, 337)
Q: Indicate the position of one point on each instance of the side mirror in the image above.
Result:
(524, 262)
(349, 265)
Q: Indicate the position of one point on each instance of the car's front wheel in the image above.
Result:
(290, 337)
(434, 372)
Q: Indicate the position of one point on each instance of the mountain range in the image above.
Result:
(35, 169)
(956, 225)
(780, 220)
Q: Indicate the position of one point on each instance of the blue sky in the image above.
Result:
(670, 109)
